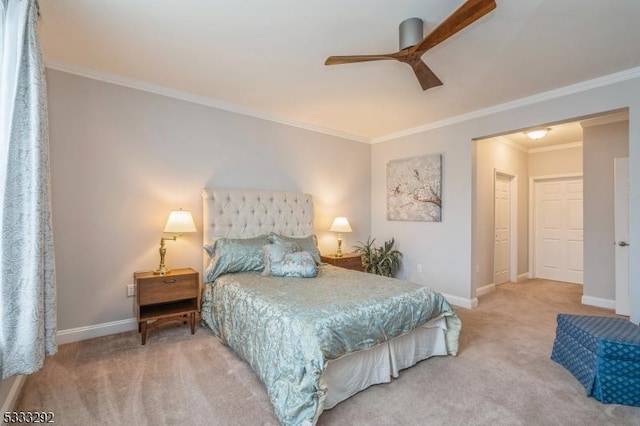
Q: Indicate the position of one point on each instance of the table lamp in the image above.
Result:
(340, 225)
(178, 223)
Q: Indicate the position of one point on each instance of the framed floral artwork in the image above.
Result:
(414, 188)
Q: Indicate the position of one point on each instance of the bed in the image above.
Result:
(313, 342)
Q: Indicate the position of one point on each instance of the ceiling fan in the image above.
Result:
(413, 46)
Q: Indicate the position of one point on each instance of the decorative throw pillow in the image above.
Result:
(272, 253)
(299, 264)
(235, 255)
(308, 243)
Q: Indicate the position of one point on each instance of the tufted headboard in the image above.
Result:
(240, 213)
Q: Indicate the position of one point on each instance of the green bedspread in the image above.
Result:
(287, 328)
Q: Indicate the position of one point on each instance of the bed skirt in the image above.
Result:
(354, 372)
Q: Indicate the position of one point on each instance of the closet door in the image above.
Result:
(502, 231)
(559, 230)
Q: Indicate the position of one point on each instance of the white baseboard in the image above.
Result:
(15, 384)
(599, 302)
(485, 289)
(523, 277)
(98, 330)
(461, 301)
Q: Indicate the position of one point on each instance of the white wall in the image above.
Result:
(121, 159)
(556, 162)
(445, 248)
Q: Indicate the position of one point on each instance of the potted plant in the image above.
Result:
(384, 260)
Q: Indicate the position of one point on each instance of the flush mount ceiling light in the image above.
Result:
(537, 134)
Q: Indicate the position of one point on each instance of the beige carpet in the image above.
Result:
(502, 376)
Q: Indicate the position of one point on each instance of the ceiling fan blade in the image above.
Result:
(337, 60)
(425, 76)
(465, 15)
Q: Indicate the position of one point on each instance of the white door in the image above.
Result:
(621, 196)
(559, 230)
(502, 229)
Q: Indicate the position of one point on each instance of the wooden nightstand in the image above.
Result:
(169, 297)
(348, 261)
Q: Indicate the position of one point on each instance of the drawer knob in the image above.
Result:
(169, 281)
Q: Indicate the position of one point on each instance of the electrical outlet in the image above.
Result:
(419, 267)
(131, 290)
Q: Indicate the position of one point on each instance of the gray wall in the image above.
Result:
(492, 155)
(121, 159)
(601, 145)
(445, 249)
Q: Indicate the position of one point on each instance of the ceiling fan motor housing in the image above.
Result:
(411, 32)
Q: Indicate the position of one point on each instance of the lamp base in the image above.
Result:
(339, 251)
(161, 271)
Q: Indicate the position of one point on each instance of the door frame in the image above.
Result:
(622, 304)
(513, 222)
(532, 212)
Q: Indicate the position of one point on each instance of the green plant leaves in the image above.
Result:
(383, 260)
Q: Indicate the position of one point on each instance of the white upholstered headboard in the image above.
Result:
(241, 213)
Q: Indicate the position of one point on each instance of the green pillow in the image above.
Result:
(299, 264)
(307, 243)
(272, 253)
(235, 255)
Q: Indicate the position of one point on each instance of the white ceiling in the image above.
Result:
(266, 58)
(570, 133)
(560, 134)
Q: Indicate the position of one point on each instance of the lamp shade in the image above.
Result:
(340, 224)
(180, 221)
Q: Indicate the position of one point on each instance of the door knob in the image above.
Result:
(623, 243)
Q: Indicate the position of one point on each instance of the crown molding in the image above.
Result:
(190, 97)
(512, 144)
(214, 103)
(526, 150)
(555, 147)
(529, 100)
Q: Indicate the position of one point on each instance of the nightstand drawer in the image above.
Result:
(163, 298)
(167, 289)
(348, 261)
(351, 263)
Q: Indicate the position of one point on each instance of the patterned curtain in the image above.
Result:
(27, 269)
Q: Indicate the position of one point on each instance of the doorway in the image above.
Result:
(560, 154)
(557, 228)
(505, 253)
(621, 230)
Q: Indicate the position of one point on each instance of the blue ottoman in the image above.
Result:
(603, 353)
